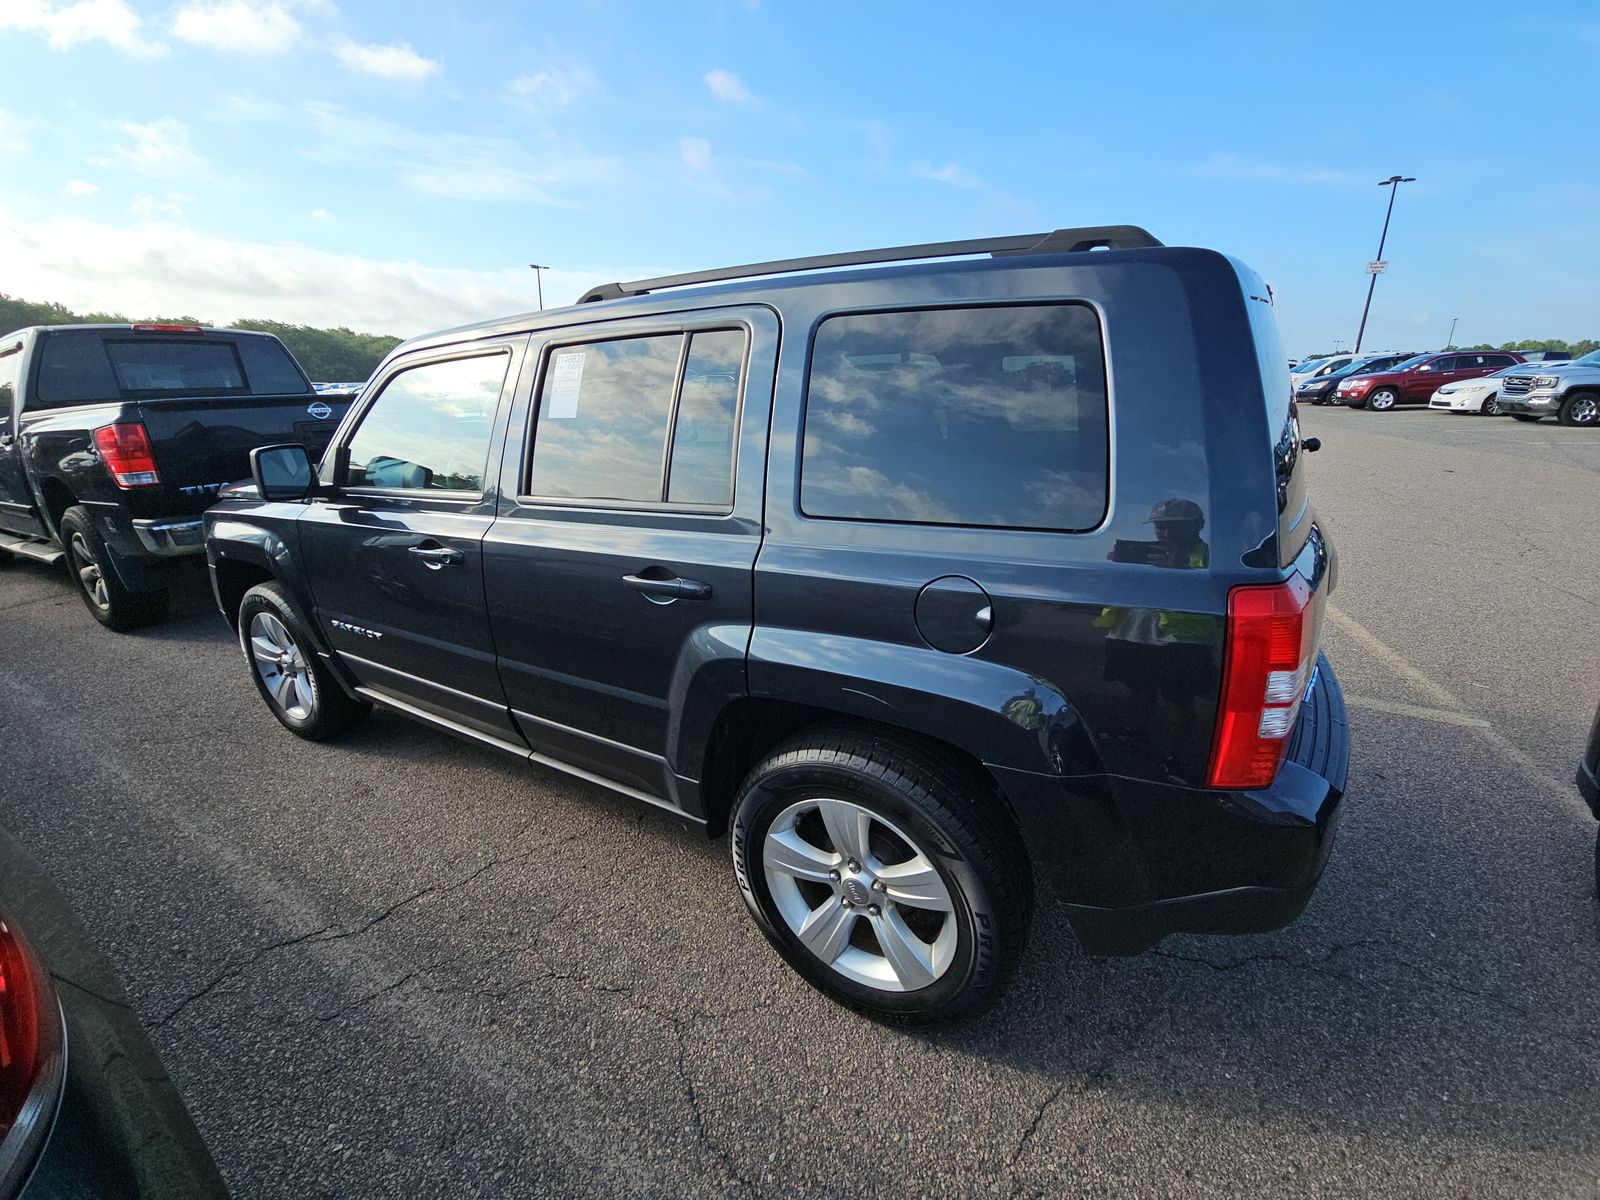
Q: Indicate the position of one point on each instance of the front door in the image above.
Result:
(395, 557)
(619, 573)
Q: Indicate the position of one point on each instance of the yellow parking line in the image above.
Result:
(1444, 716)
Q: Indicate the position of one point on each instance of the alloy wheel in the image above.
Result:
(1491, 405)
(282, 666)
(90, 576)
(1583, 411)
(860, 894)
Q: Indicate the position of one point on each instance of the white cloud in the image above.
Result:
(396, 60)
(695, 152)
(80, 187)
(726, 86)
(1232, 166)
(321, 214)
(554, 87)
(246, 108)
(239, 26)
(169, 266)
(12, 128)
(454, 165)
(67, 25)
(952, 173)
(154, 208)
(160, 147)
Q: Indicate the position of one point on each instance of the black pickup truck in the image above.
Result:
(115, 438)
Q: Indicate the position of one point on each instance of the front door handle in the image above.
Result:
(434, 557)
(673, 588)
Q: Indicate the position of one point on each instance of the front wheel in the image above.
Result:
(1581, 408)
(294, 682)
(884, 872)
(1383, 400)
(1490, 406)
(108, 599)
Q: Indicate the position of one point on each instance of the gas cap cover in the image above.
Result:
(954, 614)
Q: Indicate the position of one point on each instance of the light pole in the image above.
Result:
(1450, 343)
(1393, 184)
(538, 274)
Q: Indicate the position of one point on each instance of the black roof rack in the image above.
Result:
(1062, 241)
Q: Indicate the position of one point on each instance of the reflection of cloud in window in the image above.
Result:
(838, 489)
(437, 416)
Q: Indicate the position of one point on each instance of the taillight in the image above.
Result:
(1271, 651)
(32, 1057)
(126, 451)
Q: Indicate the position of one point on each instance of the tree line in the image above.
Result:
(332, 355)
(1557, 345)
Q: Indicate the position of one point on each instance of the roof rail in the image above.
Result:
(1062, 241)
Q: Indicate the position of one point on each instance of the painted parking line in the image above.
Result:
(1451, 711)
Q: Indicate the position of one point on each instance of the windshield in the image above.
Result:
(1310, 365)
(1416, 360)
(1591, 359)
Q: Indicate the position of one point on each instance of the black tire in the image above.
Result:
(99, 586)
(5, 556)
(1527, 416)
(1490, 406)
(308, 701)
(1581, 408)
(917, 797)
(1383, 399)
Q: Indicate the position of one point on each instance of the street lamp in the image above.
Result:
(538, 274)
(1451, 341)
(1393, 184)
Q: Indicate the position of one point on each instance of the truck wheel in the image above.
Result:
(884, 872)
(1383, 400)
(108, 600)
(1527, 416)
(294, 682)
(1581, 408)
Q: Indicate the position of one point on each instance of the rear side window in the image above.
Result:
(643, 420)
(961, 416)
(429, 429)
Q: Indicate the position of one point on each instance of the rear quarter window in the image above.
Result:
(990, 416)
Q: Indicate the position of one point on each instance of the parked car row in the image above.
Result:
(862, 565)
(1484, 382)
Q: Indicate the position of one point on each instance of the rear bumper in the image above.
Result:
(169, 539)
(1135, 860)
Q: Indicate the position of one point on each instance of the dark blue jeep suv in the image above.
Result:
(993, 562)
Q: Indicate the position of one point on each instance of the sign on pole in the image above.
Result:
(1377, 266)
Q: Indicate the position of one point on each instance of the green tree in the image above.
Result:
(332, 355)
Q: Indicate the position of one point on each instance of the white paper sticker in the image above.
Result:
(566, 379)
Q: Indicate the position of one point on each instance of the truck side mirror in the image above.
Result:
(282, 472)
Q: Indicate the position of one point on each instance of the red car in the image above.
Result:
(1415, 380)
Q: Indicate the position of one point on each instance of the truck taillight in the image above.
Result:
(126, 450)
(32, 1057)
(1271, 651)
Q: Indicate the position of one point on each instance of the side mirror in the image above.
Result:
(282, 472)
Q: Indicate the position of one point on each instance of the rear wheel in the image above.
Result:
(1383, 399)
(100, 588)
(294, 682)
(1527, 416)
(884, 872)
(1490, 406)
(1581, 408)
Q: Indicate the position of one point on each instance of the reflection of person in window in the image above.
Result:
(1163, 654)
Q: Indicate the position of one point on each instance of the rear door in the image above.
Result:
(395, 556)
(619, 573)
(16, 498)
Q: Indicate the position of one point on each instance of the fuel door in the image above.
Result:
(954, 614)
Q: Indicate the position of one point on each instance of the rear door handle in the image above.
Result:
(437, 556)
(674, 588)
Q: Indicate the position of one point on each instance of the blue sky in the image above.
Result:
(395, 166)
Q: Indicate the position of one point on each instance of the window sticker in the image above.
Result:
(566, 380)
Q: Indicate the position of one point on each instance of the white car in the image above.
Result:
(1318, 367)
(1473, 395)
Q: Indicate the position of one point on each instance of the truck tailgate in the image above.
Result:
(203, 444)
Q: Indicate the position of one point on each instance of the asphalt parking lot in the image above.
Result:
(402, 966)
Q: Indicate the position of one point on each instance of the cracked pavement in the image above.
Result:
(402, 966)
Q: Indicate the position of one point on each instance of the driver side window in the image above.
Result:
(429, 429)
